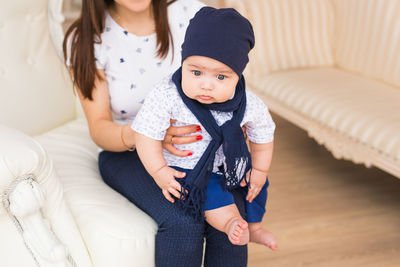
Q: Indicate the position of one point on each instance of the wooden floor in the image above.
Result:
(327, 212)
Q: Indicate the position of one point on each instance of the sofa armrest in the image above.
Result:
(20, 155)
(33, 199)
(116, 232)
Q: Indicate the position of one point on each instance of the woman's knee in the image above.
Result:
(181, 223)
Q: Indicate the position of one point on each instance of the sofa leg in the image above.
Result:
(23, 201)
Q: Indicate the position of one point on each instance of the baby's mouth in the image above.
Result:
(205, 97)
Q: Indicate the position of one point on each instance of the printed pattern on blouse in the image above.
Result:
(164, 103)
(130, 63)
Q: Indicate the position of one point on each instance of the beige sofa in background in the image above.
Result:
(332, 67)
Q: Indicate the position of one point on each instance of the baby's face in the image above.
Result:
(207, 80)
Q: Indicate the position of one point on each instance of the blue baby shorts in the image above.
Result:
(218, 197)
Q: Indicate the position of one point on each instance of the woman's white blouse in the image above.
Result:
(130, 62)
(164, 103)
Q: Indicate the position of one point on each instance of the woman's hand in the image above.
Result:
(174, 136)
(165, 179)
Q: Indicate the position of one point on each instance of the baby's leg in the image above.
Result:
(227, 219)
(262, 236)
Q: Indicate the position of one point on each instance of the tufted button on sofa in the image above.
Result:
(332, 67)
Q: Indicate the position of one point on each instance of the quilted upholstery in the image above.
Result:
(36, 93)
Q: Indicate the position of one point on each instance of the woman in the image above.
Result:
(116, 51)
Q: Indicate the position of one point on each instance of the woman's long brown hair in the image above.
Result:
(87, 29)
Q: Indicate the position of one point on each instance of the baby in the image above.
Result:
(209, 89)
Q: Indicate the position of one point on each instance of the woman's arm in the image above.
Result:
(104, 131)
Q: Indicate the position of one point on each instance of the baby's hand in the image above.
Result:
(257, 181)
(165, 179)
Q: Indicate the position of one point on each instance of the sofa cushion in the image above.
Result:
(116, 232)
(367, 38)
(364, 109)
(289, 34)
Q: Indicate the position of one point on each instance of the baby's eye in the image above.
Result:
(196, 72)
(221, 77)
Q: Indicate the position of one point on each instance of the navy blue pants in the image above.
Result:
(179, 240)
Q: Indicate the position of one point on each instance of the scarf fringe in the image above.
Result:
(192, 202)
(235, 174)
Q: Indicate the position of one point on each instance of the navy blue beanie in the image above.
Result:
(222, 34)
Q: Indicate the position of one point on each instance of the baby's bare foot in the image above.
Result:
(238, 232)
(263, 237)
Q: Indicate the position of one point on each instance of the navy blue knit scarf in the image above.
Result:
(237, 157)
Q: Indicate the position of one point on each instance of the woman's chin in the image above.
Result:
(139, 6)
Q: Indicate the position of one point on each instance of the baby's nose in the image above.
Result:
(207, 84)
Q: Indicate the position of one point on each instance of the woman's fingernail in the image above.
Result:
(198, 128)
(190, 153)
(199, 137)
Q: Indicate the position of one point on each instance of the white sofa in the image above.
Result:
(332, 67)
(56, 210)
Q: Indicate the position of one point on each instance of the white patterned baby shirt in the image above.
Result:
(164, 103)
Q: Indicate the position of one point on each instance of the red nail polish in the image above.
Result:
(190, 153)
(199, 137)
(198, 128)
